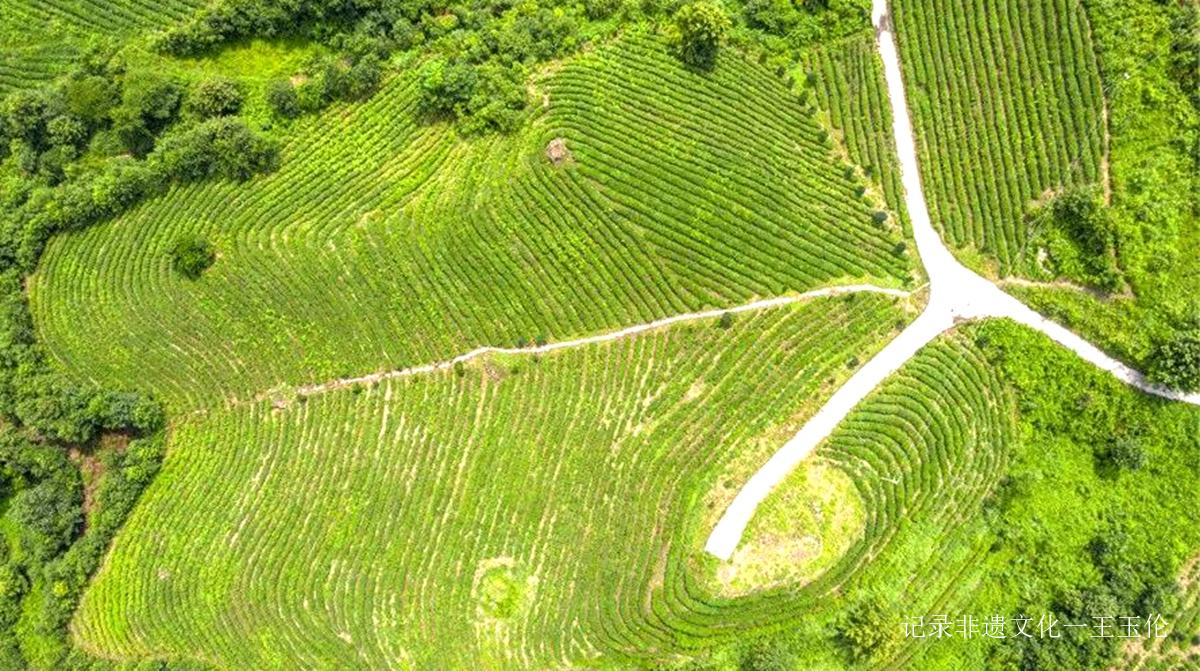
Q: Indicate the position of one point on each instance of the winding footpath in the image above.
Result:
(424, 369)
(956, 294)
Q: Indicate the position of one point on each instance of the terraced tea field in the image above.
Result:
(382, 243)
(669, 370)
(1006, 104)
(370, 528)
(354, 516)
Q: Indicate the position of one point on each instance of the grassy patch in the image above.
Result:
(798, 532)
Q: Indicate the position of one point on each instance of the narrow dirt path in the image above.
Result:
(956, 294)
(609, 336)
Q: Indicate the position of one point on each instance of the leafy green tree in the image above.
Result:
(47, 515)
(446, 86)
(773, 16)
(54, 407)
(120, 411)
(1175, 363)
(701, 27)
(214, 97)
(65, 130)
(1080, 212)
(149, 103)
(281, 97)
(363, 77)
(122, 184)
(25, 115)
(52, 163)
(13, 585)
(1086, 236)
(220, 147)
(192, 256)
(91, 98)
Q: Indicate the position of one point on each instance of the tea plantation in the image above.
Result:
(383, 243)
(401, 334)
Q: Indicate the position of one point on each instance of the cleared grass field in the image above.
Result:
(383, 243)
(1006, 104)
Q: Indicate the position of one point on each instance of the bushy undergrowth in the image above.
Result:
(1146, 56)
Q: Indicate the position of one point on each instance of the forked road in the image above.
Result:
(956, 294)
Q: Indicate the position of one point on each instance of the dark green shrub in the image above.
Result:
(772, 16)
(363, 77)
(149, 103)
(484, 97)
(91, 98)
(1126, 454)
(190, 257)
(1078, 231)
(446, 86)
(25, 115)
(221, 147)
(118, 411)
(767, 657)
(48, 516)
(66, 131)
(1175, 363)
(215, 97)
(866, 631)
(282, 99)
(54, 407)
